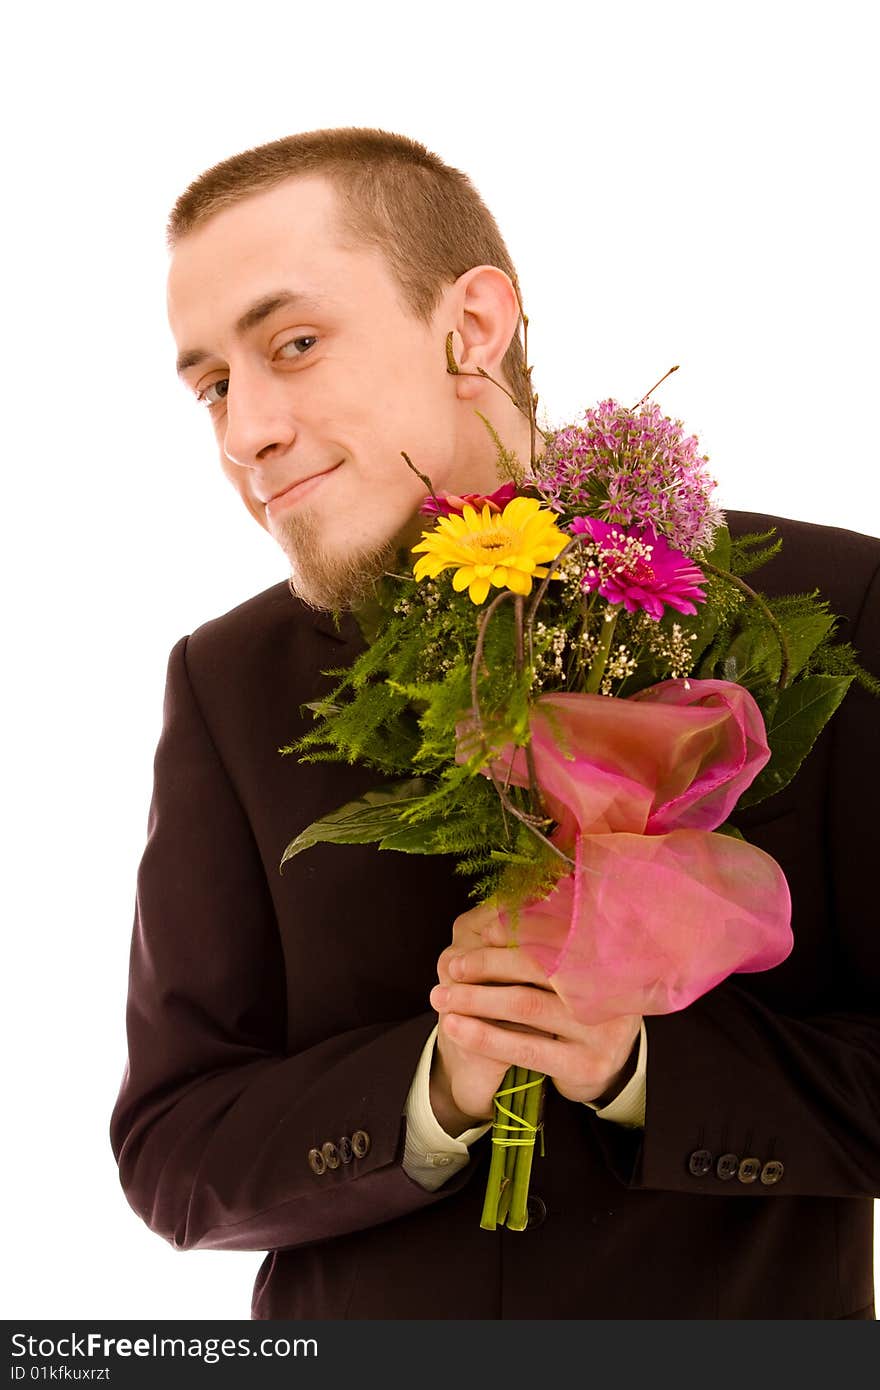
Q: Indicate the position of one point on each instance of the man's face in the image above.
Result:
(328, 387)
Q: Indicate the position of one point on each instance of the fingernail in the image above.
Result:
(439, 996)
(454, 966)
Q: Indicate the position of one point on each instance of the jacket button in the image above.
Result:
(749, 1169)
(771, 1172)
(700, 1163)
(727, 1166)
(537, 1212)
(360, 1143)
(344, 1147)
(331, 1154)
(316, 1161)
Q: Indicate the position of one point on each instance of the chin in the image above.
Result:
(330, 579)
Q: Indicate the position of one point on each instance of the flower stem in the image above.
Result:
(600, 660)
(495, 1181)
(518, 1216)
(530, 820)
(453, 368)
(424, 478)
(511, 1149)
(654, 387)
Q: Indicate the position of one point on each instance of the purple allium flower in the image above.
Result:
(638, 568)
(632, 467)
(451, 503)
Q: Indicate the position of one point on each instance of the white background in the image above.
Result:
(678, 183)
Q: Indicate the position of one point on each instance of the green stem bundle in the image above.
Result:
(518, 1108)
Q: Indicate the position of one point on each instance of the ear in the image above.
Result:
(486, 318)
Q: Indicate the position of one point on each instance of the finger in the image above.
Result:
(445, 960)
(536, 1051)
(470, 927)
(501, 964)
(480, 967)
(475, 918)
(499, 931)
(466, 934)
(524, 1005)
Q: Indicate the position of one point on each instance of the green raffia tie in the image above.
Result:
(520, 1123)
(507, 1185)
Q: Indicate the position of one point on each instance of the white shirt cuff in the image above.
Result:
(431, 1156)
(629, 1107)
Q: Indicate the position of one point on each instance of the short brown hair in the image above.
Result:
(425, 216)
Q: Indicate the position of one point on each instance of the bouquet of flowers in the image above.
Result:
(575, 686)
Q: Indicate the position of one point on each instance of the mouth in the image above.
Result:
(292, 495)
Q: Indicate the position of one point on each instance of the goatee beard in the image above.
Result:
(325, 580)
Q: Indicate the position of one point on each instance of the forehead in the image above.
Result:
(287, 235)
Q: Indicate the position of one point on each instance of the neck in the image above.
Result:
(371, 611)
(484, 477)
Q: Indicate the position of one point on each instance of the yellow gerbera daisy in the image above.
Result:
(499, 549)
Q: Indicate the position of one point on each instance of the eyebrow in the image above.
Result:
(252, 316)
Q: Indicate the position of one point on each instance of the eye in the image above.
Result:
(217, 391)
(293, 342)
(206, 399)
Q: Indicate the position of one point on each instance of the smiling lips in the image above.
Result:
(292, 495)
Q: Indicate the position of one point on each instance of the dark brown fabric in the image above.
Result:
(270, 1014)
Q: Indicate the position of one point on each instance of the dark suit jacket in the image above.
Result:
(271, 1013)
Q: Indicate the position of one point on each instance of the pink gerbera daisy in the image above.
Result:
(635, 566)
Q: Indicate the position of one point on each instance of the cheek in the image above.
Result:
(427, 437)
(360, 509)
(367, 510)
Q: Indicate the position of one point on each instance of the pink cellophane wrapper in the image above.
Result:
(659, 909)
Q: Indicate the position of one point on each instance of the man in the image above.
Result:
(289, 1085)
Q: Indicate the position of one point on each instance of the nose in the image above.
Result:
(259, 422)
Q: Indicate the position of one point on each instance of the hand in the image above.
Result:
(500, 1009)
(463, 1082)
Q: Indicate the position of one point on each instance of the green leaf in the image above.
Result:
(719, 555)
(731, 830)
(746, 556)
(751, 654)
(371, 817)
(418, 838)
(507, 462)
(802, 711)
(748, 657)
(323, 707)
(707, 619)
(803, 633)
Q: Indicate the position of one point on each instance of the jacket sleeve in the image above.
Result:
(213, 1124)
(730, 1077)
